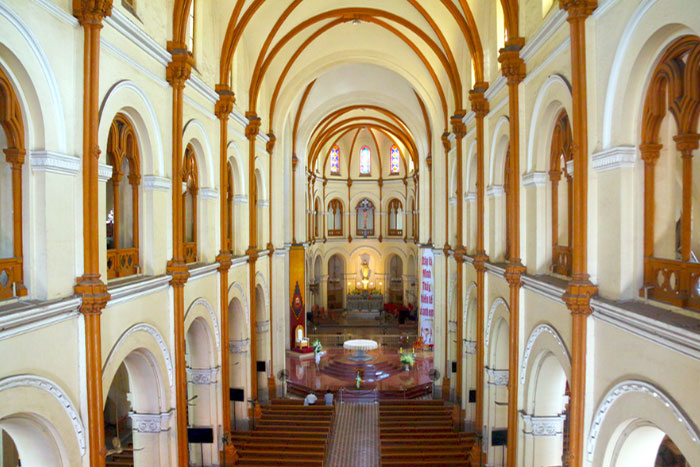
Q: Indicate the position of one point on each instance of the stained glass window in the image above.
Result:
(365, 161)
(394, 159)
(335, 160)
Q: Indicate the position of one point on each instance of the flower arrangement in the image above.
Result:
(407, 359)
(317, 346)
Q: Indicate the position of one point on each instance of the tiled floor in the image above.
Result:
(355, 440)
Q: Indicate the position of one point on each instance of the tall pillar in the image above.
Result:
(580, 289)
(251, 132)
(177, 73)
(271, 385)
(446, 145)
(223, 109)
(513, 68)
(460, 130)
(480, 106)
(429, 163)
(89, 286)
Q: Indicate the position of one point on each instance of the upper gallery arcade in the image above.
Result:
(197, 194)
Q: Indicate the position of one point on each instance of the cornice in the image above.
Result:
(104, 172)
(495, 191)
(54, 162)
(619, 157)
(132, 290)
(204, 270)
(121, 23)
(208, 193)
(534, 179)
(240, 199)
(498, 84)
(158, 79)
(26, 316)
(552, 291)
(543, 34)
(156, 183)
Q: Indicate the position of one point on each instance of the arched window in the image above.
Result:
(669, 139)
(365, 218)
(190, 181)
(395, 155)
(191, 27)
(123, 199)
(395, 218)
(365, 161)
(335, 218)
(335, 160)
(229, 207)
(562, 195)
(12, 144)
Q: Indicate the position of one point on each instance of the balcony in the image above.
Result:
(10, 272)
(190, 252)
(122, 262)
(561, 260)
(673, 282)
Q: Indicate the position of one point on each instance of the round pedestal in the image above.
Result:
(360, 356)
(360, 346)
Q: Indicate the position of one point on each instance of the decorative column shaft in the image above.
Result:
(480, 106)
(223, 108)
(429, 163)
(177, 73)
(686, 144)
(580, 289)
(89, 286)
(460, 131)
(271, 385)
(513, 68)
(251, 132)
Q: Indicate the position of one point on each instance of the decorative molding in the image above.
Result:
(495, 191)
(129, 60)
(153, 332)
(497, 377)
(240, 199)
(240, 346)
(133, 290)
(196, 83)
(204, 270)
(635, 386)
(545, 64)
(150, 422)
(56, 391)
(104, 172)
(212, 314)
(452, 201)
(263, 203)
(262, 326)
(498, 84)
(131, 31)
(543, 425)
(58, 12)
(25, 317)
(531, 342)
(543, 34)
(208, 193)
(679, 336)
(202, 376)
(156, 183)
(545, 289)
(620, 157)
(54, 162)
(469, 347)
(470, 197)
(534, 179)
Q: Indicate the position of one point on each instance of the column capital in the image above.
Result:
(179, 272)
(514, 272)
(479, 103)
(180, 67)
(224, 260)
(458, 126)
(445, 138)
(480, 261)
(224, 106)
(91, 11)
(578, 9)
(578, 295)
(253, 127)
(429, 161)
(650, 152)
(93, 293)
(271, 140)
(512, 64)
(687, 143)
(295, 161)
(15, 156)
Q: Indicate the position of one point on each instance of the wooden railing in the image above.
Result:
(561, 260)
(673, 282)
(122, 262)
(10, 272)
(190, 252)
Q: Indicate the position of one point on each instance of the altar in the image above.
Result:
(373, 302)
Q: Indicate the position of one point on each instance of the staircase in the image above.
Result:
(371, 372)
(421, 432)
(123, 459)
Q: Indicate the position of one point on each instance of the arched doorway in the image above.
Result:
(497, 391)
(262, 343)
(395, 280)
(201, 387)
(136, 420)
(239, 362)
(336, 282)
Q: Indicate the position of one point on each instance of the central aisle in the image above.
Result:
(355, 440)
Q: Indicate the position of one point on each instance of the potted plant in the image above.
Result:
(317, 346)
(407, 360)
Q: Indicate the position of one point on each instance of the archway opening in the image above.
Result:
(25, 439)
(239, 362)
